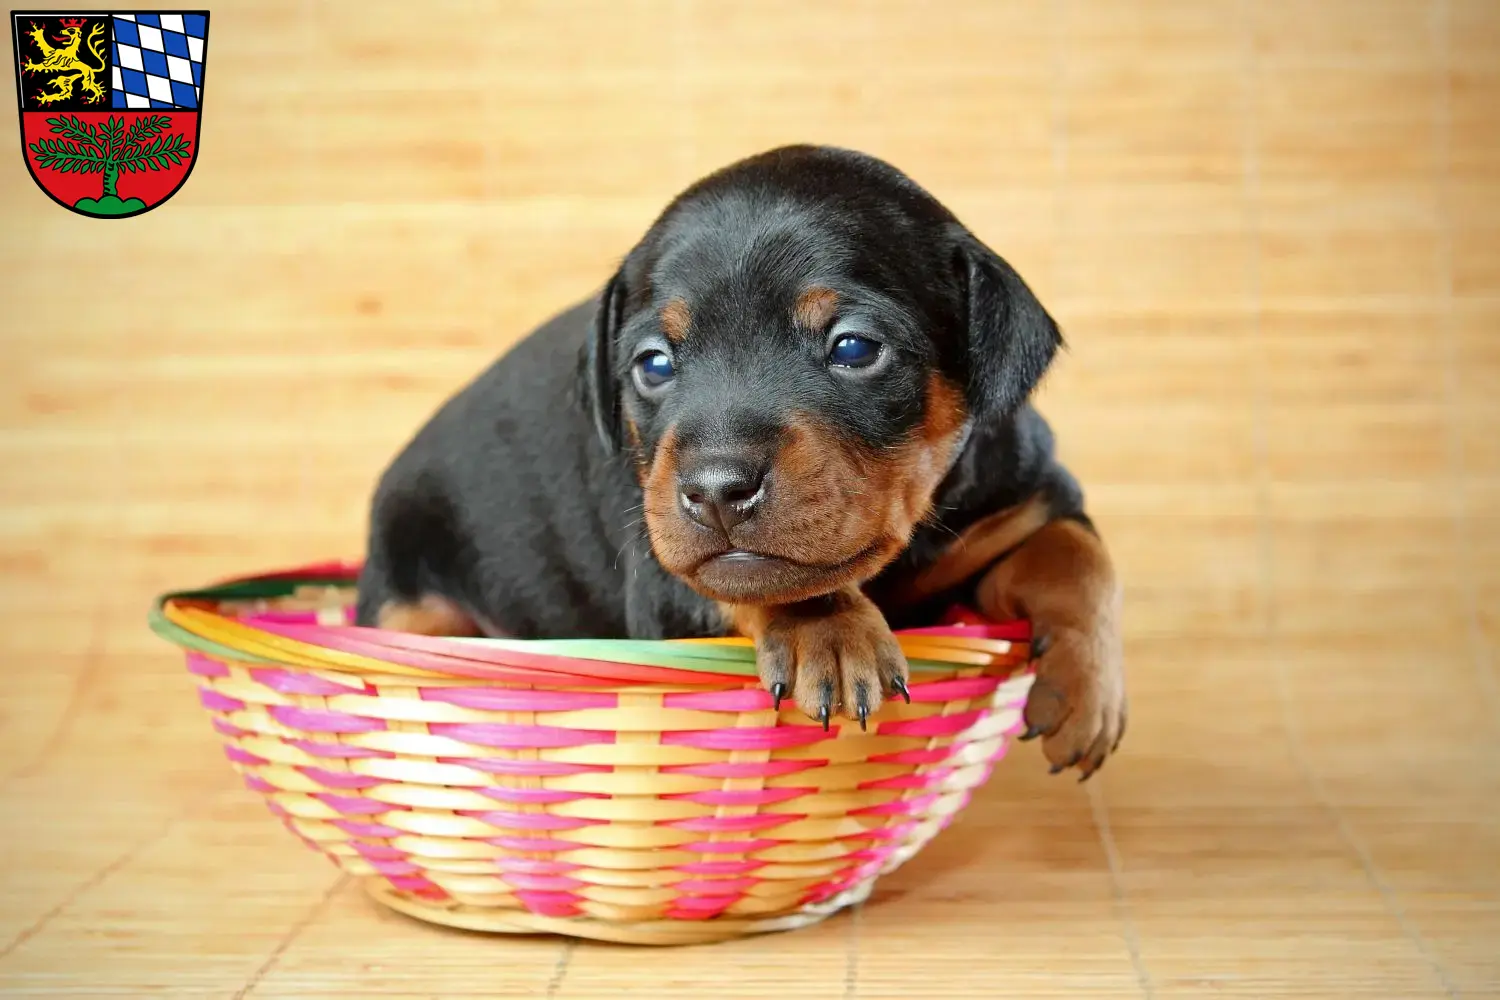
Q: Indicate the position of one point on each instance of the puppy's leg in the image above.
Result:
(384, 604)
(832, 653)
(1061, 578)
(430, 614)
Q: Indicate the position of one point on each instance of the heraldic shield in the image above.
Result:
(110, 105)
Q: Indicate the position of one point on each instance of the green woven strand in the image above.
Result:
(691, 656)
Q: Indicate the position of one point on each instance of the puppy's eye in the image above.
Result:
(654, 369)
(851, 351)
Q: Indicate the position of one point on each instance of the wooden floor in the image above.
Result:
(1272, 230)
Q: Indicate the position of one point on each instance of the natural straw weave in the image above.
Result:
(639, 792)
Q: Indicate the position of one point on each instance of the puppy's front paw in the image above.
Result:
(1077, 702)
(833, 655)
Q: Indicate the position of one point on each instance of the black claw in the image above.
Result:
(1040, 644)
(827, 709)
(1057, 769)
(899, 686)
(778, 692)
(862, 705)
(1031, 733)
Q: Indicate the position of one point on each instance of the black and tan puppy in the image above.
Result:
(798, 411)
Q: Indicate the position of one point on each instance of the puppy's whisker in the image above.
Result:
(635, 525)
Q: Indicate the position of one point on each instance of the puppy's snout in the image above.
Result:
(721, 491)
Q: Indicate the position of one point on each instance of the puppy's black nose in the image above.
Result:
(719, 491)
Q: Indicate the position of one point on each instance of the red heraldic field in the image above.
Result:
(110, 105)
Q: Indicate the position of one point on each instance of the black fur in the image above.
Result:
(519, 501)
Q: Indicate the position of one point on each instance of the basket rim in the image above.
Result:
(192, 620)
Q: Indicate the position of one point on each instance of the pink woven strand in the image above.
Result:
(544, 883)
(534, 866)
(900, 807)
(716, 886)
(256, 783)
(339, 779)
(966, 625)
(762, 738)
(720, 867)
(701, 907)
(729, 846)
(374, 852)
(680, 912)
(337, 750)
(350, 806)
(745, 769)
(895, 832)
(201, 666)
(216, 702)
(542, 845)
(294, 682)
(239, 756)
(926, 779)
(956, 689)
(549, 904)
(925, 755)
(378, 831)
(734, 824)
(530, 821)
(535, 796)
(519, 737)
(520, 699)
(524, 768)
(741, 797)
(745, 700)
(872, 855)
(278, 618)
(395, 867)
(933, 725)
(324, 722)
(226, 728)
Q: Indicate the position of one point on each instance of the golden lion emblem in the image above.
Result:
(65, 62)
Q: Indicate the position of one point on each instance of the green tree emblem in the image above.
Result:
(110, 149)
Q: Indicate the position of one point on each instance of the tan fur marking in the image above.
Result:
(1061, 577)
(976, 547)
(816, 307)
(659, 490)
(432, 615)
(675, 320)
(946, 408)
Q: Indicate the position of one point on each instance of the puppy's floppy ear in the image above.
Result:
(600, 388)
(1011, 338)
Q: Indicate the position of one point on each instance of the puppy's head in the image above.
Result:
(793, 357)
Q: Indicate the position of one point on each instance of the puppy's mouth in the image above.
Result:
(750, 576)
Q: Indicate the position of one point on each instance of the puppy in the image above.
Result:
(799, 412)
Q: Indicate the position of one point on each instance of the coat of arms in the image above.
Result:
(110, 105)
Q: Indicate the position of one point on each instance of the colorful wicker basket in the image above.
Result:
(640, 792)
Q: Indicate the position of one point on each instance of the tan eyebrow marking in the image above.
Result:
(816, 306)
(675, 320)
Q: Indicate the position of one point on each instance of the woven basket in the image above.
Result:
(639, 792)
